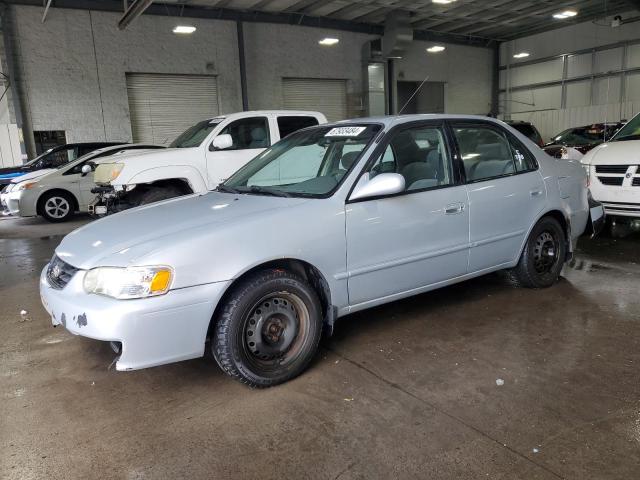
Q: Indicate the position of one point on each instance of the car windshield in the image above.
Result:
(580, 136)
(631, 131)
(310, 163)
(194, 136)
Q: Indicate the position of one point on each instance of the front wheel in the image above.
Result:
(57, 207)
(158, 193)
(268, 330)
(543, 255)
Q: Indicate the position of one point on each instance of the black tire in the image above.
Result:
(159, 193)
(272, 310)
(543, 256)
(57, 206)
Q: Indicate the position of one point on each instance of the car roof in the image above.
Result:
(267, 112)
(392, 120)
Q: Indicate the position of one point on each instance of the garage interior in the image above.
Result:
(475, 380)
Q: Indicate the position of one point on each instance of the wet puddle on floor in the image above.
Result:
(587, 265)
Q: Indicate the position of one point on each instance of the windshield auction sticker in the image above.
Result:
(345, 131)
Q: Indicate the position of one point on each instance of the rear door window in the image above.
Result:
(288, 125)
(486, 152)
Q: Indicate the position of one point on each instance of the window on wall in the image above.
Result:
(46, 139)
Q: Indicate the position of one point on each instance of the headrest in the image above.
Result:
(348, 159)
(258, 134)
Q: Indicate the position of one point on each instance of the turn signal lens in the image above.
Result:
(160, 281)
(26, 186)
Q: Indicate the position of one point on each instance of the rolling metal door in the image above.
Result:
(327, 96)
(164, 106)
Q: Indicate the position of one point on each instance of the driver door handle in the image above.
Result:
(454, 208)
(535, 193)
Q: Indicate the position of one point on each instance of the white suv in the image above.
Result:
(614, 175)
(197, 161)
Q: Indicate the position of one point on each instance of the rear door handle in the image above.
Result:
(454, 208)
(535, 193)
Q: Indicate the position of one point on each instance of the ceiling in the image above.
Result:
(481, 19)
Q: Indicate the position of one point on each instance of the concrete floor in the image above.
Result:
(407, 390)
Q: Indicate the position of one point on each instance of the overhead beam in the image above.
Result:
(134, 10)
(290, 18)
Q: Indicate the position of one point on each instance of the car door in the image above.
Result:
(401, 243)
(506, 192)
(250, 135)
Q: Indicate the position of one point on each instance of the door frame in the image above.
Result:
(458, 174)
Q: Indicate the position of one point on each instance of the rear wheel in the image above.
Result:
(543, 255)
(57, 206)
(268, 330)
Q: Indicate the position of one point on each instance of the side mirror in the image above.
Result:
(380, 185)
(221, 142)
(86, 169)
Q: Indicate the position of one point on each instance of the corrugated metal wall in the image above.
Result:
(327, 96)
(164, 106)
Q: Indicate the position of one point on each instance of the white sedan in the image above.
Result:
(57, 194)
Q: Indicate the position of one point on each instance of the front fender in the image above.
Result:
(150, 175)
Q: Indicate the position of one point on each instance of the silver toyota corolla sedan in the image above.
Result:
(331, 220)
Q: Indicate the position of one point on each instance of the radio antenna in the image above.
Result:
(413, 95)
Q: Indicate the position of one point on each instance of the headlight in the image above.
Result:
(127, 283)
(25, 186)
(106, 172)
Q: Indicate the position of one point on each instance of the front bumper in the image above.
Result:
(109, 200)
(597, 217)
(153, 331)
(12, 202)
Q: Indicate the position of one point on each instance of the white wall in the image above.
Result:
(274, 52)
(571, 38)
(606, 98)
(73, 66)
(467, 72)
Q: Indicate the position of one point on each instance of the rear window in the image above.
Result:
(288, 125)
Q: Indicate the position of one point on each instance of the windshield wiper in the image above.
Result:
(268, 191)
(226, 189)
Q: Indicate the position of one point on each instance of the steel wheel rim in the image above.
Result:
(57, 207)
(545, 252)
(276, 329)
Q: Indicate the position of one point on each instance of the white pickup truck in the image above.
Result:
(197, 161)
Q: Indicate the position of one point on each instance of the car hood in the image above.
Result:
(122, 239)
(142, 155)
(614, 153)
(11, 172)
(33, 175)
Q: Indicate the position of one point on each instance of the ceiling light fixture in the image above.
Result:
(184, 29)
(435, 49)
(327, 42)
(565, 14)
(521, 55)
(443, 2)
